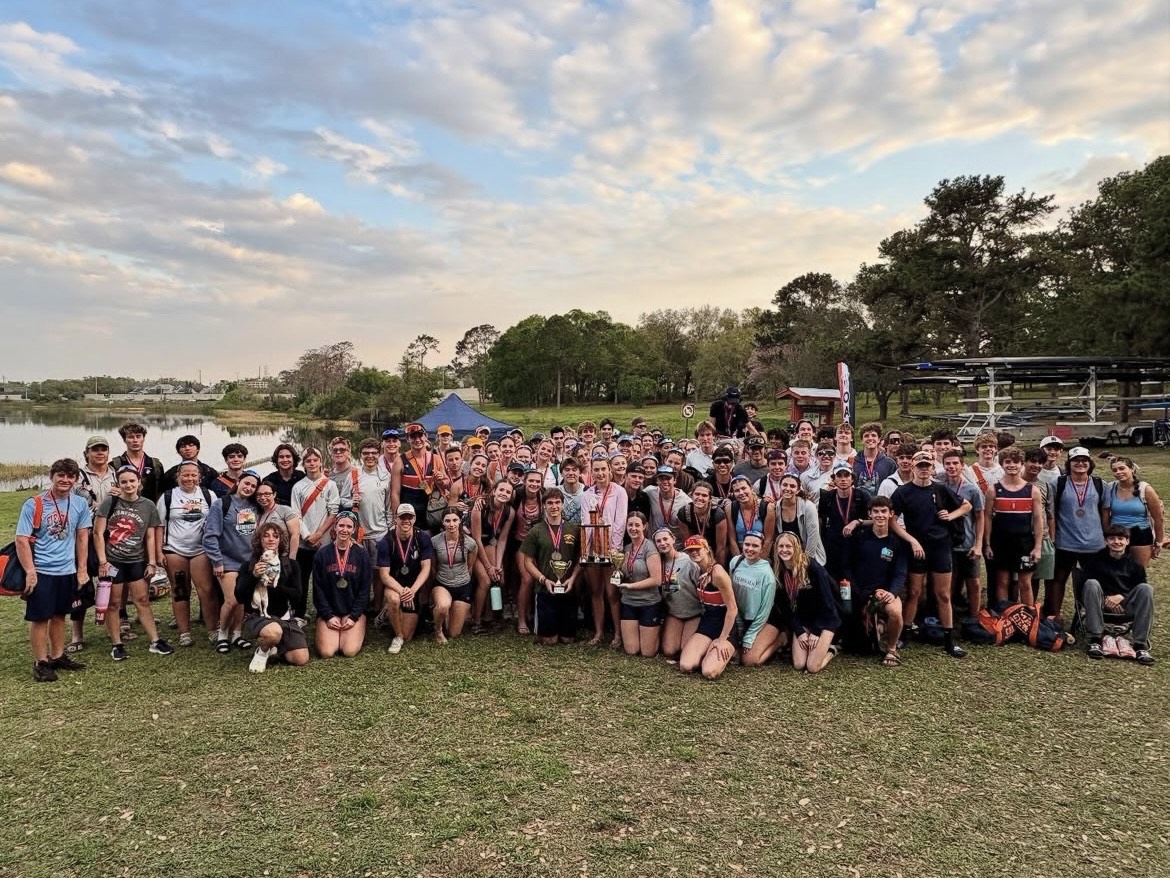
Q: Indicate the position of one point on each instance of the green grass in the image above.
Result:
(492, 757)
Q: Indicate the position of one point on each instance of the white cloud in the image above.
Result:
(38, 57)
(25, 175)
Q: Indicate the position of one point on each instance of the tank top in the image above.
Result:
(751, 522)
(1013, 509)
(415, 483)
(709, 594)
(1130, 512)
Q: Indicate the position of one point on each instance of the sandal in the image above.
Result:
(223, 647)
(128, 634)
(75, 646)
(892, 659)
(241, 643)
(522, 630)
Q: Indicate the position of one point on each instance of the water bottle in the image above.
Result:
(101, 599)
(497, 597)
(847, 596)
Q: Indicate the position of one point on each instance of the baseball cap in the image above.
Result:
(732, 393)
(757, 442)
(1051, 440)
(517, 467)
(483, 428)
(444, 428)
(665, 440)
(842, 467)
(391, 433)
(646, 457)
(94, 441)
(625, 439)
(1079, 451)
(923, 457)
(665, 471)
(415, 428)
(696, 542)
(475, 442)
(405, 509)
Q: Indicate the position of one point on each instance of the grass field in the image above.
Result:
(491, 757)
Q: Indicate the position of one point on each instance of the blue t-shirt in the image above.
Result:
(55, 550)
(1079, 532)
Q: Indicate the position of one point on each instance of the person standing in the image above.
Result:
(872, 467)
(549, 556)
(94, 484)
(52, 545)
(612, 502)
(1080, 522)
(188, 448)
(150, 469)
(285, 476)
(316, 499)
(183, 511)
(235, 458)
(417, 475)
(1014, 531)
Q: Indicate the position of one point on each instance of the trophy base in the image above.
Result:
(596, 561)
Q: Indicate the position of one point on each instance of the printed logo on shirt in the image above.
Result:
(246, 522)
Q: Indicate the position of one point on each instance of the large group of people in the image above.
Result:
(738, 543)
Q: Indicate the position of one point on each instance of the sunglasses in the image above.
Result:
(894, 439)
(923, 465)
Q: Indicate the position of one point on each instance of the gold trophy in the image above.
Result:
(596, 541)
(559, 565)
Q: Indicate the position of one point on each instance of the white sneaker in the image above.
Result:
(260, 659)
(396, 646)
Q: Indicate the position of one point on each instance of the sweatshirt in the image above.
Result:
(1116, 575)
(328, 598)
(227, 537)
(281, 598)
(755, 590)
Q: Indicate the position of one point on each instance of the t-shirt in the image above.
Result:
(183, 524)
(451, 566)
(326, 502)
(613, 503)
(571, 511)
(55, 546)
(665, 514)
(395, 553)
(746, 468)
(128, 524)
(539, 546)
(1079, 533)
(279, 515)
(373, 489)
(634, 568)
(814, 481)
(680, 586)
(919, 507)
(283, 487)
(876, 562)
(755, 591)
(699, 461)
(971, 493)
(982, 478)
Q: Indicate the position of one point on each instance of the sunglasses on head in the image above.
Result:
(923, 465)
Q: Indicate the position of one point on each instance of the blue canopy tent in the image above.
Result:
(461, 418)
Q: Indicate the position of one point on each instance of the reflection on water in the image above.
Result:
(42, 436)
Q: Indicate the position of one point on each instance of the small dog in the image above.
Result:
(265, 581)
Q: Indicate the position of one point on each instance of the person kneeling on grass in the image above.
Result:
(878, 568)
(754, 582)
(267, 588)
(405, 558)
(341, 590)
(812, 609)
(549, 556)
(709, 649)
(1118, 584)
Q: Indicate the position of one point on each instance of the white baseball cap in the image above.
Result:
(405, 509)
(1079, 451)
(1051, 440)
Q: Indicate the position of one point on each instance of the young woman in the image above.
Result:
(528, 507)
(796, 515)
(806, 598)
(455, 556)
(490, 521)
(680, 583)
(227, 540)
(270, 622)
(1135, 504)
(748, 512)
(544, 464)
(641, 592)
(282, 515)
(754, 583)
(702, 519)
(405, 559)
(469, 487)
(710, 649)
(183, 510)
(124, 532)
(498, 469)
(612, 501)
(316, 499)
(342, 574)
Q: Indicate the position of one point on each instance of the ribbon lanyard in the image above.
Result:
(633, 556)
(405, 552)
(451, 550)
(747, 522)
(848, 507)
(665, 510)
(556, 539)
(666, 574)
(342, 563)
(1082, 496)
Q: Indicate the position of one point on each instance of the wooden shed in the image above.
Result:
(818, 404)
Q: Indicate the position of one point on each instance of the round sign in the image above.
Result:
(688, 410)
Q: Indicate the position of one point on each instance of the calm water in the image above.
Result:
(45, 436)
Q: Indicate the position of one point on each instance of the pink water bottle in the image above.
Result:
(102, 599)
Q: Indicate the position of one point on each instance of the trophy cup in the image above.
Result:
(596, 541)
(559, 565)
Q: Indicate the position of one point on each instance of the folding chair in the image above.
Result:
(1116, 624)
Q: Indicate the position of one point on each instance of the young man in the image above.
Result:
(285, 474)
(391, 446)
(769, 485)
(235, 457)
(942, 441)
(966, 553)
(904, 460)
(843, 445)
(756, 465)
(637, 426)
(587, 433)
(666, 501)
(1117, 584)
(549, 557)
(1079, 522)
(778, 439)
(878, 568)
(927, 509)
(639, 500)
(188, 448)
(344, 474)
(720, 475)
(607, 430)
(700, 459)
(806, 430)
(728, 415)
(571, 490)
(817, 478)
(840, 511)
(444, 439)
(872, 466)
(1034, 461)
(52, 545)
(373, 500)
(985, 471)
(150, 469)
(676, 460)
(800, 459)
(96, 479)
(1014, 530)
(418, 473)
(754, 426)
(1053, 448)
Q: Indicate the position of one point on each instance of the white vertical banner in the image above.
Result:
(845, 385)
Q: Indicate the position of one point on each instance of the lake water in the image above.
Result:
(42, 436)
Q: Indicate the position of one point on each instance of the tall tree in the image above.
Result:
(472, 353)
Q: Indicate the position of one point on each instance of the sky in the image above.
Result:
(219, 186)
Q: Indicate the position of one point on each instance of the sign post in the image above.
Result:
(688, 412)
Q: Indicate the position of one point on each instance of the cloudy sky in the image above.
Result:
(220, 185)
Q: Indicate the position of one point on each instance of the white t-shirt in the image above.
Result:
(326, 502)
(373, 489)
(183, 525)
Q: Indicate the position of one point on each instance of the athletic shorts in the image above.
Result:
(53, 596)
(646, 615)
(1047, 565)
(711, 622)
(963, 567)
(1141, 536)
(556, 614)
(291, 635)
(1009, 549)
(1068, 560)
(937, 560)
(128, 571)
(459, 593)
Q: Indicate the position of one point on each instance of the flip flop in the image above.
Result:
(75, 646)
(892, 659)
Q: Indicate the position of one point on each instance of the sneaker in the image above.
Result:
(118, 653)
(1125, 649)
(260, 659)
(161, 647)
(955, 651)
(1109, 647)
(66, 663)
(1095, 651)
(301, 622)
(1144, 658)
(396, 646)
(213, 635)
(43, 672)
(185, 639)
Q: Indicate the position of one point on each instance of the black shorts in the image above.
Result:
(963, 567)
(291, 635)
(937, 560)
(1067, 560)
(1008, 549)
(53, 596)
(556, 614)
(711, 622)
(646, 615)
(459, 593)
(1141, 536)
(127, 571)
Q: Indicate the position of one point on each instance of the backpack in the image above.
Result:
(957, 528)
(12, 575)
(207, 498)
(1021, 623)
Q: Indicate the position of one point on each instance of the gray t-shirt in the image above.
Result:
(451, 561)
(634, 569)
(1078, 521)
(128, 523)
(681, 588)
